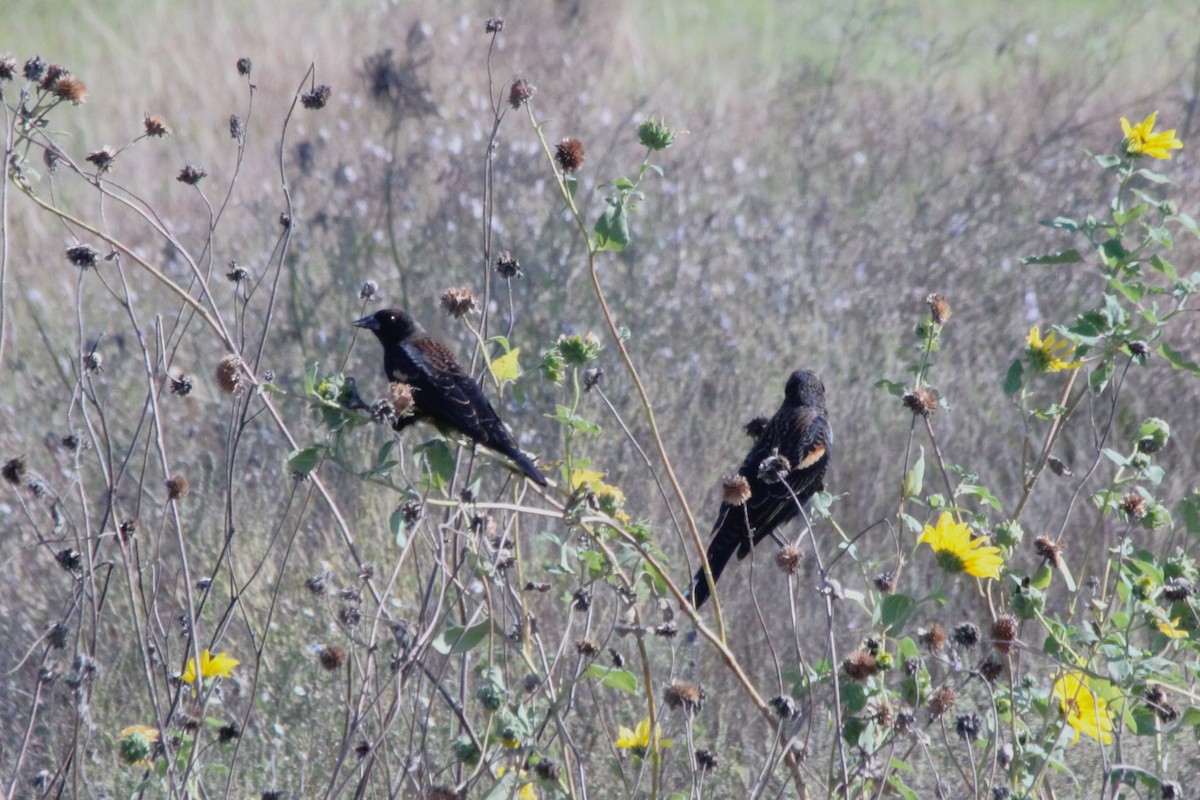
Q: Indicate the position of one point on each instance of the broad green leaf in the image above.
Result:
(435, 460)
(612, 229)
(895, 611)
(505, 368)
(1014, 379)
(620, 679)
(914, 479)
(1062, 223)
(304, 461)
(1177, 359)
(457, 639)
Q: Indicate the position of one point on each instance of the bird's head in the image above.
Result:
(391, 325)
(805, 388)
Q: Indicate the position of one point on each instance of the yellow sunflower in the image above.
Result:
(1141, 140)
(218, 666)
(956, 551)
(1086, 712)
(1049, 354)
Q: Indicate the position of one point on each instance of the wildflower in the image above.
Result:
(956, 551)
(528, 788)
(1141, 140)
(1086, 712)
(939, 309)
(1049, 354)
(136, 745)
(639, 739)
(1171, 629)
(218, 666)
(569, 155)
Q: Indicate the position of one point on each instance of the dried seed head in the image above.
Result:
(35, 68)
(507, 266)
(939, 308)
(684, 695)
(71, 89)
(102, 159)
(885, 581)
(546, 769)
(403, 402)
(230, 377)
(904, 721)
(965, 635)
(1172, 790)
(860, 665)
(788, 559)
(587, 648)
(15, 470)
(155, 126)
(616, 658)
(57, 634)
(582, 599)
(128, 529)
(350, 614)
(237, 273)
(774, 468)
(591, 378)
(269, 794)
(1058, 467)
(54, 74)
(8, 67)
(1133, 505)
(228, 732)
(459, 302)
(735, 490)
(83, 256)
(367, 290)
(991, 668)
(1139, 350)
(191, 175)
(318, 584)
(93, 363)
(236, 128)
(968, 726)
(1004, 632)
(51, 157)
(331, 657)
(182, 386)
(923, 401)
(569, 155)
(943, 701)
(316, 97)
(783, 706)
(69, 559)
(177, 487)
(1049, 551)
(521, 92)
(756, 427)
(934, 638)
(493, 25)
(1156, 698)
(667, 630)
(243, 66)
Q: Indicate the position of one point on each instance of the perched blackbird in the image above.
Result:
(784, 468)
(443, 393)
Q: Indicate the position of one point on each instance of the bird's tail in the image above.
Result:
(527, 466)
(720, 550)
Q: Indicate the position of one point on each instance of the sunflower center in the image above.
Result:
(950, 561)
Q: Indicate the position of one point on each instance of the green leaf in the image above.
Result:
(895, 611)
(623, 184)
(981, 492)
(612, 229)
(435, 460)
(1100, 376)
(620, 679)
(1014, 379)
(506, 787)
(898, 786)
(310, 378)
(457, 639)
(1122, 217)
(1189, 512)
(1177, 359)
(1188, 222)
(304, 461)
(891, 387)
(505, 368)
(915, 477)
(1153, 177)
(1071, 256)
(1113, 251)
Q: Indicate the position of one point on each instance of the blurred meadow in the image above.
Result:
(835, 164)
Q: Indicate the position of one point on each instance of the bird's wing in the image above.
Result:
(448, 395)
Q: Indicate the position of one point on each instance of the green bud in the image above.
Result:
(490, 696)
(1154, 433)
(135, 747)
(1041, 578)
(1144, 587)
(1157, 516)
(885, 661)
(1003, 705)
(1139, 460)
(1168, 208)
(1028, 602)
(579, 350)
(1008, 534)
(655, 135)
(553, 368)
(465, 750)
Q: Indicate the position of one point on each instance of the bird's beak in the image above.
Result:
(370, 323)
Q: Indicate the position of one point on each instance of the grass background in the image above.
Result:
(842, 161)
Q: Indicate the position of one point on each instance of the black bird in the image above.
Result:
(443, 393)
(784, 468)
